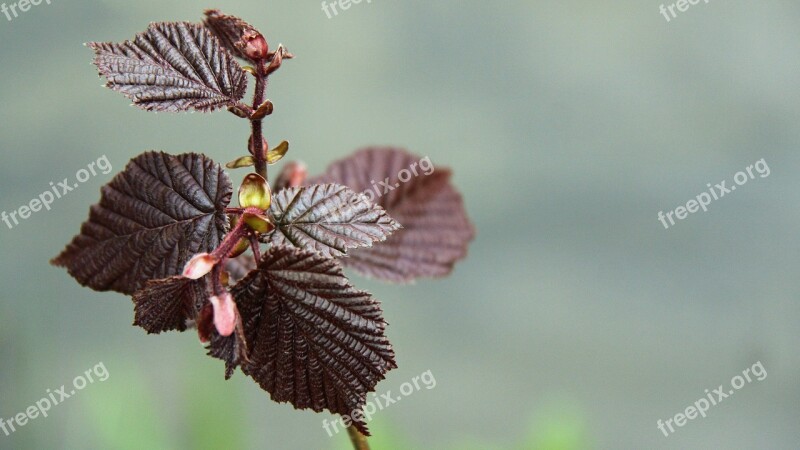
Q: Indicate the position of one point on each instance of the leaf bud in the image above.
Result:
(254, 192)
(264, 110)
(253, 45)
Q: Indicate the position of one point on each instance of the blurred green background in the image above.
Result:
(577, 322)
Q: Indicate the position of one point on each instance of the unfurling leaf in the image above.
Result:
(167, 304)
(229, 30)
(330, 219)
(314, 340)
(151, 220)
(277, 153)
(172, 67)
(244, 161)
(436, 230)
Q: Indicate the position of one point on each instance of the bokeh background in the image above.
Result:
(577, 321)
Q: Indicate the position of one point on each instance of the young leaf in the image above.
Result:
(168, 304)
(229, 30)
(328, 218)
(436, 229)
(315, 341)
(231, 349)
(151, 219)
(172, 67)
(174, 303)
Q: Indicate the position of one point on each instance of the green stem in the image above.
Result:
(359, 440)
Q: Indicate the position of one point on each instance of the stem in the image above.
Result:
(256, 124)
(359, 440)
(231, 239)
(255, 246)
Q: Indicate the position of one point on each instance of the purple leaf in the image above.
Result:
(436, 230)
(172, 67)
(231, 349)
(315, 341)
(151, 219)
(330, 219)
(168, 304)
(176, 303)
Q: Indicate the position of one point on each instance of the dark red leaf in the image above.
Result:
(151, 219)
(315, 341)
(168, 304)
(176, 303)
(231, 349)
(329, 218)
(172, 67)
(436, 230)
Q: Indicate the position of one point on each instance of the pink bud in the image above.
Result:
(199, 266)
(224, 313)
